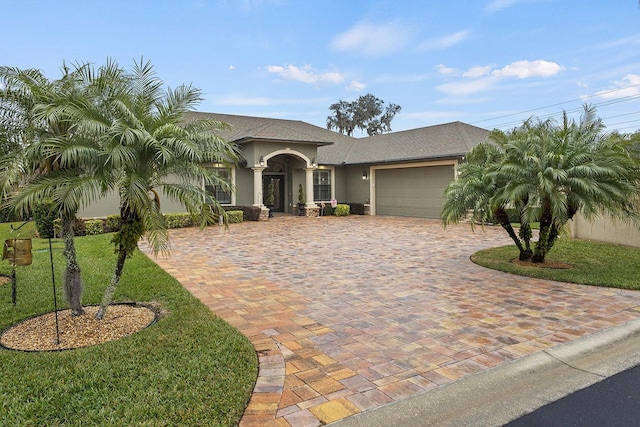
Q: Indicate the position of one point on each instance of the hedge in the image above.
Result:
(249, 213)
(235, 217)
(93, 227)
(178, 220)
(341, 210)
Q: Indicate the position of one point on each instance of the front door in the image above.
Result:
(273, 192)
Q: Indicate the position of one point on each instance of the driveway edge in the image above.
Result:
(501, 394)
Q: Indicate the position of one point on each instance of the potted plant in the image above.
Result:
(271, 197)
(301, 200)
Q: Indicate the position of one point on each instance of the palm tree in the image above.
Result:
(53, 159)
(150, 147)
(549, 172)
(475, 196)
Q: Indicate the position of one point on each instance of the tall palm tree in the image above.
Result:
(150, 148)
(53, 160)
(549, 172)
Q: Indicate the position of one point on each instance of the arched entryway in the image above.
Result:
(277, 178)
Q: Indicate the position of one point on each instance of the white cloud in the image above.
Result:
(232, 67)
(371, 39)
(526, 69)
(445, 41)
(629, 85)
(475, 72)
(482, 78)
(356, 86)
(446, 71)
(466, 87)
(305, 74)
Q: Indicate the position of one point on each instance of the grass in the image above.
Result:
(594, 263)
(190, 368)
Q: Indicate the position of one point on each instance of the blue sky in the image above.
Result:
(491, 63)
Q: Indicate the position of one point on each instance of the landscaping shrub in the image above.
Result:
(235, 217)
(178, 220)
(112, 223)
(8, 215)
(342, 210)
(356, 208)
(78, 227)
(249, 213)
(328, 209)
(44, 216)
(93, 227)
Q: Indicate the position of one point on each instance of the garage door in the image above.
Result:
(414, 192)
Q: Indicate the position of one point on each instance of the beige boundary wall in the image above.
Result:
(605, 229)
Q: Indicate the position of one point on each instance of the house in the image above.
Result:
(400, 173)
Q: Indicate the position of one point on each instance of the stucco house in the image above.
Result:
(400, 173)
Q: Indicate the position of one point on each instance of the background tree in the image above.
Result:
(367, 113)
(547, 172)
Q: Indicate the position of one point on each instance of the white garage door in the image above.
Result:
(414, 192)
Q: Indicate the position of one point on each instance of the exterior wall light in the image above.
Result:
(313, 163)
(365, 175)
(261, 161)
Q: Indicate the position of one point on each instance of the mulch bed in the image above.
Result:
(39, 333)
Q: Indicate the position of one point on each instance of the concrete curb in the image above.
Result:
(501, 394)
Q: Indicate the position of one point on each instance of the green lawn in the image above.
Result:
(594, 263)
(190, 368)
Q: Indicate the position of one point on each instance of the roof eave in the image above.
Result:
(246, 140)
(457, 156)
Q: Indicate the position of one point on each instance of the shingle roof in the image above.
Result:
(244, 128)
(432, 142)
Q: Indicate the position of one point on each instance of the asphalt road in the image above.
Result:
(614, 401)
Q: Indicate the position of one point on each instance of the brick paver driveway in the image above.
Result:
(348, 314)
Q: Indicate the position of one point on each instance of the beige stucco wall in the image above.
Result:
(340, 183)
(605, 229)
(110, 205)
(244, 182)
(358, 189)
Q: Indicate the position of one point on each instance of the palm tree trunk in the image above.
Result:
(503, 219)
(73, 285)
(525, 234)
(107, 297)
(547, 236)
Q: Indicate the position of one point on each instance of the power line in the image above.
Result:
(601, 104)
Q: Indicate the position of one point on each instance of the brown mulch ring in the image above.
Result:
(39, 333)
(545, 264)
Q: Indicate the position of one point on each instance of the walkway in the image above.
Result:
(350, 314)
